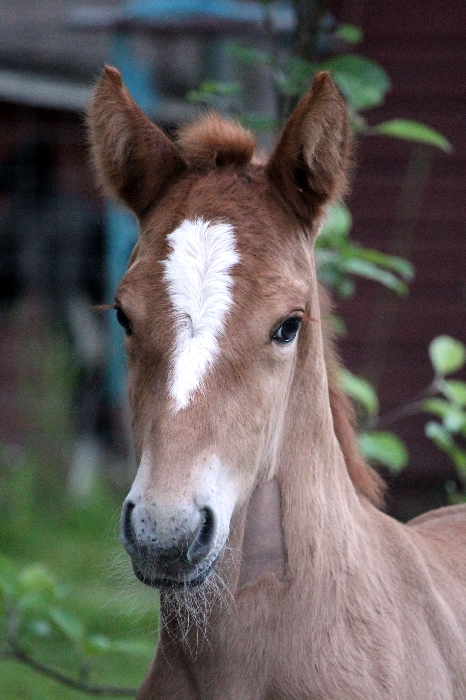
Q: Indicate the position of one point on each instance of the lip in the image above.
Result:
(171, 584)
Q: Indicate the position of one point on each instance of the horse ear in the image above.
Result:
(310, 161)
(134, 159)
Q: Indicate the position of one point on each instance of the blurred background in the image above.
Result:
(66, 456)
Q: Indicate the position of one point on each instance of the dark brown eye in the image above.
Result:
(123, 320)
(288, 330)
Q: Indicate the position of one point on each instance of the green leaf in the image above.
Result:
(218, 87)
(338, 326)
(357, 122)
(455, 420)
(33, 603)
(328, 256)
(249, 55)
(345, 287)
(439, 434)
(211, 91)
(295, 78)
(97, 644)
(360, 390)
(438, 407)
(350, 33)
(459, 458)
(391, 262)
(337, 223)
(364, 268)
(446, 354)
(40, 628)
(443, 439)
(412, 131)
(383, 447)
(259, 123)
(70, 626)
(452, 415)
(36, 578)
(362, 82)
(455, 390)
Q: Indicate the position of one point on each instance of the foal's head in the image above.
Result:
(218, 306)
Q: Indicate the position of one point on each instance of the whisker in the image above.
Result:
(185, 614)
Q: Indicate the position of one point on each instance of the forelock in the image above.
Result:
(214, 141)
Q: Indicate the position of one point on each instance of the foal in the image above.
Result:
(249, 479)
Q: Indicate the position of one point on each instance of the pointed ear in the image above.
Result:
(133, 158)
(310, 161)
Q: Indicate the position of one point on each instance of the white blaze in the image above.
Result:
(197, 272)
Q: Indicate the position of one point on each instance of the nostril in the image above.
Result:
(200, 547)
(207, 530)
(126, 529)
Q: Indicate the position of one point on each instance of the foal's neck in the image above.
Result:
(263, 545)
(311, 505)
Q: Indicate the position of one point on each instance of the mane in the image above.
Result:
(215, 141)
(365, 479)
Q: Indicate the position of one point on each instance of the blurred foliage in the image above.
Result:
(384, 447)
(411, 131)
(447, 402)
(339, 258)
(364, 85)
(69, 603)
(444, 399)
(48, 377)
(32, 610)
(362, 82)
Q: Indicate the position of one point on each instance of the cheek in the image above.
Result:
(249, 408)
(264, 379)
(147, 380)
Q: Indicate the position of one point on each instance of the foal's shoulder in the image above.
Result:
(441, 536)
(441, 518)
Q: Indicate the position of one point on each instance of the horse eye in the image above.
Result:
(123, 320)
(288, 330)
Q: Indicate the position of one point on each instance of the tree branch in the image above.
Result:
(19, 655)
(410, 409)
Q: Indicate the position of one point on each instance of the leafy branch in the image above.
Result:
(17, 654)
(338, 257)
(364, 84)
(444, 399)
(32, 609)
